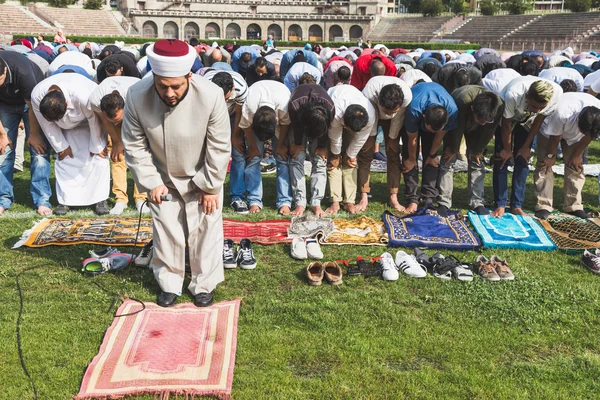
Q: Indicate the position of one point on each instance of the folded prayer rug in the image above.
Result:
(511, 231)
(310, 226)
(359, 231)
(183, 350)
(261, 232)
(426, 228)
(572, 234)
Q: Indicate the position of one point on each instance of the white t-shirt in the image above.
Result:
(296, 71)
(344, 96)
(515, 103)
(497, 79)
(371, 92)
(266, 93)
(72, 58)
(563, 122)
(559, 74)
(411, 77)
(587, 61)
(119, 83)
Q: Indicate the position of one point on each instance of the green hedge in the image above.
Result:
(280, 43)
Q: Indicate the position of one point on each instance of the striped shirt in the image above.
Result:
(240, 93)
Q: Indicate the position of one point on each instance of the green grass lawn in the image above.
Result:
(534, 338)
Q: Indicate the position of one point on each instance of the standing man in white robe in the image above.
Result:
(60, 104)
(177, 138)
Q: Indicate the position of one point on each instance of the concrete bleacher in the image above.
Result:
(81, 22)
(557, 27)
(417, 29)
(489, 28)
(15, 20)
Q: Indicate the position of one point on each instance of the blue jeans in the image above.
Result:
(519, 177)
(252, 179)
(40, 189)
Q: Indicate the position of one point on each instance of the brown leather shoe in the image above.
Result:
(333, 272)
(314, 273)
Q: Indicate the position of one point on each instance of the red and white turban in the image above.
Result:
(171, 58)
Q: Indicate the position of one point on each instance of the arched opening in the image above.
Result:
(191, 30)
(253, 32)
(275, 31)
(149, 30)
(336, 34)
(170, 30)
(294, 32)
(212, 31)
(233, 31)
(356, 32)
(315, 33)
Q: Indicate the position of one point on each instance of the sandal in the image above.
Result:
(462, 272)
(443, 266)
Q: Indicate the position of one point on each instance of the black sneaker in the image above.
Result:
(143, 259)
(268, 169)
(239, 206)
(245, 256)
(423, 259)
(102, 208)
(591, 261)
(580, 214)
(229, 260)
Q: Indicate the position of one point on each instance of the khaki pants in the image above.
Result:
(544, 183)
(342, 180)
(118, 170)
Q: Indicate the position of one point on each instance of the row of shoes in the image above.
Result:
(330, 271)
(243, 256)
(417, 266)
(591, 261)
(104, 260)
(302, 249)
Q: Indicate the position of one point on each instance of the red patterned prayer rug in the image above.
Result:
(262, 232)
(182, 350)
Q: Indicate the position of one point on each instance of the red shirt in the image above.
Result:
(336, 58)
(361, 73)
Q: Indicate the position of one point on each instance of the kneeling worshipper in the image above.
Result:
(176, 133)
(82, 171)
(574, 125)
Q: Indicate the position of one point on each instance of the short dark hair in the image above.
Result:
(568, 85)
(589, 121)
(391, 96)
(316, 119)
(355, 117)
(111, 103)
(461, 78)
(528, 68)
(307, 78)
(344, 74)
(246, 57)
(53, 106)
(62, 49)
(104, 53)
(18, 41)
(112, 66)
(437, 56)
(87, 52)
(223, 80)
(194, 42)
(486, 105)
(430, 69)
(264, 123)
(358, 52)
(260, 62)
(436, 117)
(2, 66)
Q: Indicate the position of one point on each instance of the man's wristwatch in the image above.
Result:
(434, 155)
(550, 156)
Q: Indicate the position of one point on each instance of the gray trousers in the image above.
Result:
(318, 175)
(475, 185)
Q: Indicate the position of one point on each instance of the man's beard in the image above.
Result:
(179, 100)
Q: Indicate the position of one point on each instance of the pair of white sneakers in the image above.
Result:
(302, 249)
(406, 263)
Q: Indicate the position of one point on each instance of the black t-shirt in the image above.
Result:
(129, 67)
(21, 77)
(302, 95)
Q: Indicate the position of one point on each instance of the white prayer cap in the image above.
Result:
(171, 58)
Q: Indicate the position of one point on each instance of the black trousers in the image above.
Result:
(429, 192)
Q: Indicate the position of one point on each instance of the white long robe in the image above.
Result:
(84, 179)
(187, 149)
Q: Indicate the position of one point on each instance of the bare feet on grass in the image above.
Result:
(318, 211)
(364, 202)
(254, 209)
(411, 209)
(298, 211)
(518, 211)
(351, 208)
(395, 204)
(42, 210)
(284, 210)
(333, 208)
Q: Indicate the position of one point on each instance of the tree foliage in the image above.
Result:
(59, 3)
(488, 7)
(413, 6)
(432, 8)
(516, 7)
(456, 6)
(578, 5)
(93, 4)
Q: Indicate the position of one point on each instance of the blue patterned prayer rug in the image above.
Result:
(511, 231)
(426, 228)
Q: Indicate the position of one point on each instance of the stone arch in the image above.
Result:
(335, 31)
(253, 31)
(212, 31)
(356, 32)
(191, 30)
(315, 33)
(171, 30)
(149, 29)
(275, 30)
(294, 32)
(233, 31)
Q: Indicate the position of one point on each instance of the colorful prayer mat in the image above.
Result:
(361, 231)
(572, 234)
(184, 350)
(122, 232)
(310, 226)
(511, 231)
(426, 228)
